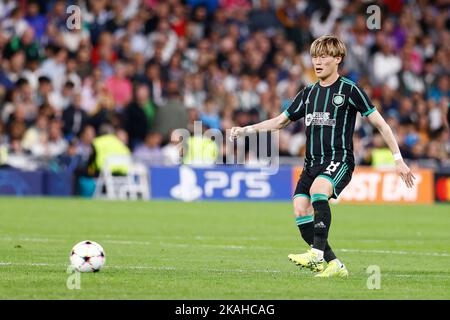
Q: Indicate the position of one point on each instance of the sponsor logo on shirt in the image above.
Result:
(319, 119)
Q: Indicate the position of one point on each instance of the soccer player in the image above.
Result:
(329, 107)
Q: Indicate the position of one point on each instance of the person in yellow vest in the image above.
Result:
(381, 155)
(201, 150)
(382, 158)
(107, 144)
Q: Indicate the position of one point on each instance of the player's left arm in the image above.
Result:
(403, 170)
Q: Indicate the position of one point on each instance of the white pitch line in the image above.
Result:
(234, 247)
(412, 253)
(130, 242)
(163, 268)
(219, 246)
(421, 276)
(27, 239)
(144, 243)
(180, 245)
(31, 264)
(206, 269)
(172, 268)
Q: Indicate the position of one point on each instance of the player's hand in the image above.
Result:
(405, 173)
(236, 132)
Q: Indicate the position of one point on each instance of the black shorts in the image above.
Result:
(338, 173)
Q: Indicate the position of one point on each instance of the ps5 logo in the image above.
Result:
(187, 189)
(255, 184)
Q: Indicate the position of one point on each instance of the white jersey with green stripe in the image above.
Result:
(330, 115)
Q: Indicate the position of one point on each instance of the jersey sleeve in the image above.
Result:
(296, 110)
(361, 102)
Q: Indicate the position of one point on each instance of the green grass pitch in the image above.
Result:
(218, 250)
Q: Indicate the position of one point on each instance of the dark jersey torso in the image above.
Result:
(330, 115)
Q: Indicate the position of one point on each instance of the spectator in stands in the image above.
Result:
(25, 96)
(155, 83)
(119, 86)
(163, 38)
(195, 93)
(57, 145)
(36, 133)
(3, 136)
(104, 111)
(200, 149)
(51, 144)
(55, 67)
(83, 146)
(74, 118)
(60, 99)
(386, 65)
(172, 115)
(435, 117)
(324, 18)
(25, 43)
(138, 116)
(380, 155)
(209, 116)
(18, 158)
(106, 145)
(15, 24)
(172, 150)
(249, 57)
(150, 152)
(441, 90)
(13, 67)
(17, 125)
(264, 18)
(35, 19)
(44, 90)
(248, 97)
(104, 55)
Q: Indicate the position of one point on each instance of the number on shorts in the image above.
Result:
(332, 167)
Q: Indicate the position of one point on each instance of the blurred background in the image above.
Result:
(135, 70)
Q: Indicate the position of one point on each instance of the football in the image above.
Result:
(87, 256)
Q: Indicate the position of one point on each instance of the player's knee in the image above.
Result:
(321, 186)
(319, 190)
(301, 211)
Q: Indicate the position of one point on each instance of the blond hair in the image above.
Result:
(328, 45)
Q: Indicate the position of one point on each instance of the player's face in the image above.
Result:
(325, 65)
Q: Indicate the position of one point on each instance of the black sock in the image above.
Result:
(307, 233)
(322, 222)
(328, 255)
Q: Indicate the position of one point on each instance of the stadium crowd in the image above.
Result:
(146, 67)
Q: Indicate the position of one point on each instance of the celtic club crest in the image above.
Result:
(338, 99)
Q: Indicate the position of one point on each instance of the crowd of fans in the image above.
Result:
(147, 67)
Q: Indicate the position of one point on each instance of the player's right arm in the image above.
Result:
(295, 111)
(403, 170)
(276, 123)
(360, 100)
